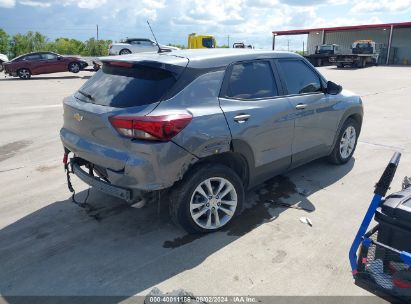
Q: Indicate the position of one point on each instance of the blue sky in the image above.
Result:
(251, 21)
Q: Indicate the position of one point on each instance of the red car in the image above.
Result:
(42, 63)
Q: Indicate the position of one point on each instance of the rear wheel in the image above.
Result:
(1, 66)
(125, 52)
(207, 199)
(346, 142)
(74, 67)
(24, 73)
(363, 63)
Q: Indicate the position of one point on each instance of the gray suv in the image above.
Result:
(202, 126)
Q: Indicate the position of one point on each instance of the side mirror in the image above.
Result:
(59, 57)
(333, 88)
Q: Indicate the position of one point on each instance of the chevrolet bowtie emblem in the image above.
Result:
(78, 117)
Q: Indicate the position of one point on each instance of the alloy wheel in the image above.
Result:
(347, 142)
(75, 67)
(125, 52)
(213, 203)
(24, 73)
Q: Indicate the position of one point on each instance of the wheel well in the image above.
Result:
(357, 118)
(23, 68)
(233, 160)
(125, 49)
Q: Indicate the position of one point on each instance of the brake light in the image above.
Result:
(161, 128)
(65, 158)
(122, 64)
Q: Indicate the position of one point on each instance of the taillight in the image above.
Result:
(161, 128)
(110, 46)
(122, 64)
(65, 158)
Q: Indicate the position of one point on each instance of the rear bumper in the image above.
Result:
(122, 193)
(140, 167)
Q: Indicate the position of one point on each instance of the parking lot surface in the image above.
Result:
(49, 246)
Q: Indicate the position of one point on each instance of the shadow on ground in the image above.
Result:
(116, 250)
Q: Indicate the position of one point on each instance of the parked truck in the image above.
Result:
(362, 52)
(323, 53)
(201, 41)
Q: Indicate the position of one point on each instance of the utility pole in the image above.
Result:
(97, 31)
(303, 48)
(288, 44)
(228, 41)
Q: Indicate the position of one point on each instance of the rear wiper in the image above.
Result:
(86, 95)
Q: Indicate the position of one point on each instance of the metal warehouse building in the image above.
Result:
(394, 39)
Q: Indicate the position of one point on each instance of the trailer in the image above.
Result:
(322, 54)
(362, 52)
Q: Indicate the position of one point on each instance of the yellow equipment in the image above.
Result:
(201, 41)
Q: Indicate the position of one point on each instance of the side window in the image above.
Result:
(251, 80)
(33, 57)
(134, 42)
(299, 78)
(146, 43)
(48, 56)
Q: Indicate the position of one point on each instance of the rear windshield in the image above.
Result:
(124, 87)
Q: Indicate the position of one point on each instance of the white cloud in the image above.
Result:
(7, 3)
(381, 6)
(88, 4)
(251, 21)
(35, 3)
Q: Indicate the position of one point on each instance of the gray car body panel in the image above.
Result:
(276, 138)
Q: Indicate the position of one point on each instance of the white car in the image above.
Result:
(137, 45)
(3, 58)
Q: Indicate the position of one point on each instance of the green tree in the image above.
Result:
(180, 46)
(30, 42)
(95, 47)
(67, 46)
(4, 42)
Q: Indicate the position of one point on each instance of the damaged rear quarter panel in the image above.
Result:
(207, 133)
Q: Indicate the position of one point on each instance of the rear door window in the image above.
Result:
(252, 80)
(49, 56)
(299, 78)
(126, 87)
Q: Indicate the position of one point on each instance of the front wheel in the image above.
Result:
(207, 199)
(24, 73)
(74, 67)
(346, 142)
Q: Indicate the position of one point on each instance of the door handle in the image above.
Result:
(242, 118)
(301, 106)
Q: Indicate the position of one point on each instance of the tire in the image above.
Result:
(343, 149)
(124, 52)
(24, 73)
(198, 213)
(1, 66)
(74, 67)
(363, 63)
(340, 66)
